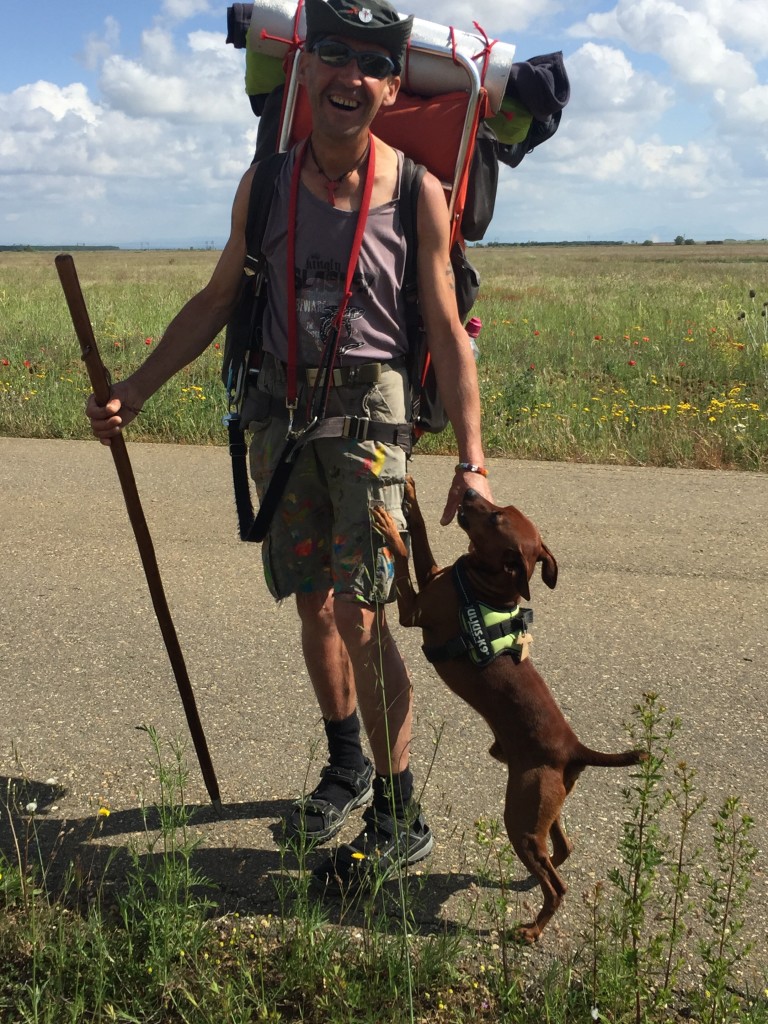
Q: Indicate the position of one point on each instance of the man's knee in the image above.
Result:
(358, 623)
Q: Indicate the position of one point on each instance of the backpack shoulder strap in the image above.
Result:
(259, 205)
(410, 186)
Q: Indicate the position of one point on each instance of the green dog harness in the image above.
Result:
(486, 632)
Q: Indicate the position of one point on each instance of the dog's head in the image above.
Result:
(505, 546)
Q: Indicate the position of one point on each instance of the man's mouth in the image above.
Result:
(343, 102)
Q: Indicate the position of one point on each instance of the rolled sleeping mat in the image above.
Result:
(271, 32)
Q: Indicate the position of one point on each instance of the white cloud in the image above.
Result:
(684, 36)
(603, 80)
(181, 10)
(496, 18)
(98, 46)
(161, 152)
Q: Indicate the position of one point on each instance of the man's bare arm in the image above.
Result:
(447, 339)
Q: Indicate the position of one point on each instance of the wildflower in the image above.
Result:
(632, 362)
(358, 856)
(598, 337)
(645, 338)
(536, 333)
(217, 346)
(147, 341)
(31, 807)
(532, 366)
(27, 363)
(104, 812)
(6, 363)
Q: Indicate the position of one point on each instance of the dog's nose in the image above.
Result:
(470, 494)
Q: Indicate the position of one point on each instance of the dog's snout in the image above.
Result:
(470, 494)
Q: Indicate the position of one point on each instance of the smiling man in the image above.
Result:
(335, 250)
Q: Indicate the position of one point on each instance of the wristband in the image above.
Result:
(470, 467)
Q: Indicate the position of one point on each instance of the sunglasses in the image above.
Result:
(338, 55)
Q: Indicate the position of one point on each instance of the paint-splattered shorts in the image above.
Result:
(321, 537)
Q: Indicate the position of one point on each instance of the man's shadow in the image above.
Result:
(84, 858)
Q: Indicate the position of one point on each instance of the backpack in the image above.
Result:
(463, 154)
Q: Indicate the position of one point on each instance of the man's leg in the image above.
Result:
(382, 682)
(326, 657)
(395, 833)
(345, 780)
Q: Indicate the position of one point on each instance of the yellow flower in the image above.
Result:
(104, 812)
(358, 856)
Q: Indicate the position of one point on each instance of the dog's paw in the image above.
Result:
(384, 523)
(527, 934)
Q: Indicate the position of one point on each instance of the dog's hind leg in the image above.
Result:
(562, 846)
(531, 810)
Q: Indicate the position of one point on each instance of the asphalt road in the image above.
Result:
(663, 581)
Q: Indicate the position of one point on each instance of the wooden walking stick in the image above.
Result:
(100, 382)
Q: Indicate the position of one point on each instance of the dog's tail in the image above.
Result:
(597, 759)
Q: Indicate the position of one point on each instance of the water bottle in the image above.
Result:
(473, 328)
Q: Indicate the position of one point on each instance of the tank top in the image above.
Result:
(374, 322)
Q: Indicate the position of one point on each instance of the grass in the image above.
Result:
(663, 939)
(630, 355)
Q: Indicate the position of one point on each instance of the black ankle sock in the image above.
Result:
(392, 794)
(344, 750)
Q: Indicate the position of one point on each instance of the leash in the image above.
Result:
(297, 438)
(100, 383)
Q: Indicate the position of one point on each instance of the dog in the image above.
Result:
(476, 636)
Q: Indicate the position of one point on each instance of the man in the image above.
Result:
(320, 546)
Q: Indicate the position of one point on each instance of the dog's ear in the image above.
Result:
(514, 564)
(548, 566)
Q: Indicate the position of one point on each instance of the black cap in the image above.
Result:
(369, 21)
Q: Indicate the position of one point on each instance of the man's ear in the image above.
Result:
(303, 59)
(390, 95)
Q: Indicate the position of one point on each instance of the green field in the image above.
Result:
(642, 355)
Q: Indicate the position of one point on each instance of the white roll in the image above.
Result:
(428, 73)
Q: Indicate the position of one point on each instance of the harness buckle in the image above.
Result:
(355, 428)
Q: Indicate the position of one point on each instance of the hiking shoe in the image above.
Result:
(385, 845)
(314, 819)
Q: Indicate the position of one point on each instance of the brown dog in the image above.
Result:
(543, 754)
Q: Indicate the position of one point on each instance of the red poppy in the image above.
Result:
(27, 363)
(536, 332)
(598, 337)
(147, 341)
(632, 362)
(217, 345)
(6, 363)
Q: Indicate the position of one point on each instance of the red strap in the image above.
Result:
(338, 321)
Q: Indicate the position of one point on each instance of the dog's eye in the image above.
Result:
(495, 518)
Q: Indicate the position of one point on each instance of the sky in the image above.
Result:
(128, 123)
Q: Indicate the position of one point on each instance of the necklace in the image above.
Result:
(331, 184)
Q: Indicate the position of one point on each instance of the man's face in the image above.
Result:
(344, 101)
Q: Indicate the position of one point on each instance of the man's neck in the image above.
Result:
(335, 157)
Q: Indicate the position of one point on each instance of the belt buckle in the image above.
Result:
(355, 428)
